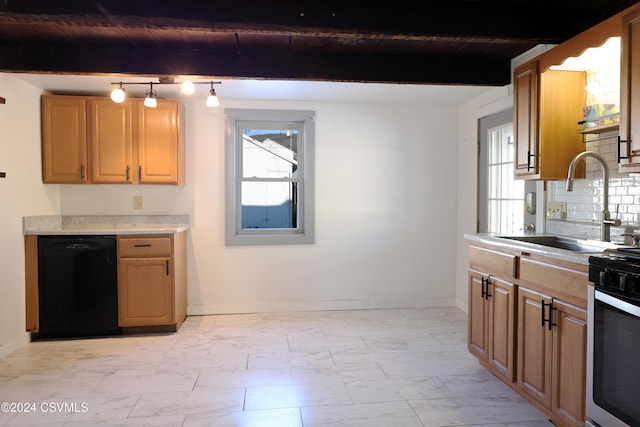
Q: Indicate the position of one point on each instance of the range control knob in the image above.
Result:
(609, 278)
(622, 284)
(629, 283)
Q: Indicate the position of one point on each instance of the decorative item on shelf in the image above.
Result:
(187, 87)
(600, 115)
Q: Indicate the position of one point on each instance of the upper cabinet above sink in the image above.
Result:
(550, 94)
(547, 106)
(629, 146)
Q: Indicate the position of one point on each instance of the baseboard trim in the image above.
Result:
(235, 308)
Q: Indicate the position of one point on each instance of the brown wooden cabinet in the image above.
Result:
(126, 143)
(152, 281)
(534, 346)
(527, 325)
(547, 107)
(552, 337)
(630, 93)
(159, 149)
(492, 309)
(525, 118)
(569, 363)
(111, 141)
(64, 139)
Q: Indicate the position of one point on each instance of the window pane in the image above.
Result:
(505, 204)
(269, 205)
(269, 153)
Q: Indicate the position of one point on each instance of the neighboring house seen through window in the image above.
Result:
(269, 160)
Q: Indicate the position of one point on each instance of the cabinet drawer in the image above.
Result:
(497, 263)
(144, 247)
(555, 277)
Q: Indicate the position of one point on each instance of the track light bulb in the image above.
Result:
(151, 101)
(187, 87)
(212, 99)
(118, 95)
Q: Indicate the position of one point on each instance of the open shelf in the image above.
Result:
(599, 129)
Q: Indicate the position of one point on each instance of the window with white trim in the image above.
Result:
(269, 177)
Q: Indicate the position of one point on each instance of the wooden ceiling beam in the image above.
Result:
(402, 18)
(260, 65)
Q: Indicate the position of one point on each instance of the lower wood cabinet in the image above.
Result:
(552, 342)
(491, 322)
(152, 281)
(543, 305)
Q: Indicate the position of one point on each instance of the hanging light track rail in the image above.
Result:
(187, 87)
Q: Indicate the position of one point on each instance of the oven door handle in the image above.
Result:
(617, 303)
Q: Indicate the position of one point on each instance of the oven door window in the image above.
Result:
(616, 346)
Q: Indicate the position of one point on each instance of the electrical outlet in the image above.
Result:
(557, 210)
(138, 203)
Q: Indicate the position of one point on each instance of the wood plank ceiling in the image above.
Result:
(463, 42)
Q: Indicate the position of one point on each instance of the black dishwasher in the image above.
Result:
(77, 286)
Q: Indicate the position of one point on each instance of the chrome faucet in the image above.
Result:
(605, 221)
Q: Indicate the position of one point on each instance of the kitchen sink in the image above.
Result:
(566, 243)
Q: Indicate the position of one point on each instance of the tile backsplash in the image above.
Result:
(584, 203)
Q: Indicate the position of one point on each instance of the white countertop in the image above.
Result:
(105, 225)
(562, 254)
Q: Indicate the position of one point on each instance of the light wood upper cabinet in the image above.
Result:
(160, 150)
(127, 143)
(547, 107)
(525, 111)
(111, 141)
(64, 139)
(630, 94)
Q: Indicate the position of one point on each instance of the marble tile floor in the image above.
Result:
(404, 368)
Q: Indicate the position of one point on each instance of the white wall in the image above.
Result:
(469, 113)
(21, 194)
(385, 213)
(395, 191)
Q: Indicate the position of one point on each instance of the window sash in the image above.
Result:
(302, 175)
(241, 126)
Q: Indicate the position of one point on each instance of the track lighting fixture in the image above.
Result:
(212, 99)
(118, 95)
(151, 101)
(187, 87)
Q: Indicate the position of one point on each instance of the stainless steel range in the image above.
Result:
(613, 344)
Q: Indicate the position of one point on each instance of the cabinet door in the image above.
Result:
(64, 139)
(160, 151)
(569, 363)
(478, 316)
(111, 142)
(145, 292)
(501, 301)
(525, 111)
(561, 99)
(534, 346)
(630, 93)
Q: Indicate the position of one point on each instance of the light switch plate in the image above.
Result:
(557, 210)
